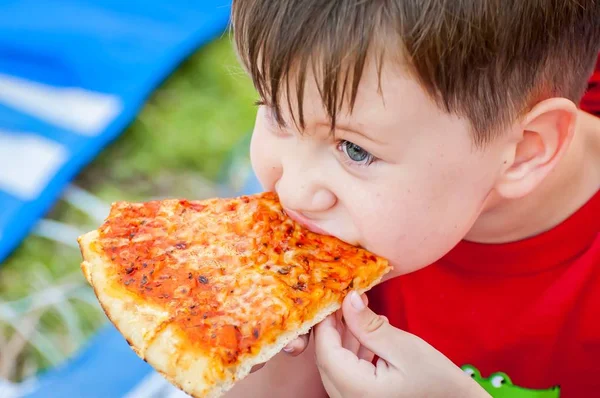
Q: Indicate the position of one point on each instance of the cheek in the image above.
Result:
(408, 242)
(414, 227)
(265, 158)
(410, 236)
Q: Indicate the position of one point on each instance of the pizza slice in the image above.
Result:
(204, 290)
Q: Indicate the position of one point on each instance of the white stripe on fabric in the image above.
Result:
(27, 163)
(85, 112)
(86, 202)
(14, 390)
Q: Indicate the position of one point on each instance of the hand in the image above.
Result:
(298, 345)
(407, 366)
(294, 348)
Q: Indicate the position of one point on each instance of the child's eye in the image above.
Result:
(355, 154)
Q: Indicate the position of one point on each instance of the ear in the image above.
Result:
(543, 137)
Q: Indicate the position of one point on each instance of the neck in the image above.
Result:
(571, 184)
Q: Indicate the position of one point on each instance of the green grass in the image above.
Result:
(177, 147)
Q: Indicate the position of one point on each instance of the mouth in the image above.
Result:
(305, 222)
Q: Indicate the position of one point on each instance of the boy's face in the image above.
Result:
(400, 177)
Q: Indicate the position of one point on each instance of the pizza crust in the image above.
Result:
(147, 331)
(135, 320)
(154, 338)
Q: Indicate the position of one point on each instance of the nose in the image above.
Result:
(301, 188)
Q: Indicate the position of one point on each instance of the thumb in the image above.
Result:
(371, 330)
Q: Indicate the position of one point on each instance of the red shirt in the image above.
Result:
(591, 99)
(529, 309)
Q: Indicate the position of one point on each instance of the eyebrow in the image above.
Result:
(343, 127)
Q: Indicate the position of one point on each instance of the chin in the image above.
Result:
(347, 239)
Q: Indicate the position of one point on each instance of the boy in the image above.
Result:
(443, 135)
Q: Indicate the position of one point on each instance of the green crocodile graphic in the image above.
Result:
(499, 385)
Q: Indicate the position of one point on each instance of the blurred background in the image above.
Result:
(101, 101)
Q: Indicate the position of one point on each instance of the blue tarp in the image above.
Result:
(73, 75)
(105, 368)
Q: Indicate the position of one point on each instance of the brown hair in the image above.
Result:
(487, 60)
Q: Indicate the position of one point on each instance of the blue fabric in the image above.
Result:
(73, 75)
(107, 367)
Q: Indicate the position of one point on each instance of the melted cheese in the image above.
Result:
(233, 273)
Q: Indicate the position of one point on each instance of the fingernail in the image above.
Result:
(356, 301)
(288, 349)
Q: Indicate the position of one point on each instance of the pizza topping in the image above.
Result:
(284, 270)
(300, 286)
(217, 264)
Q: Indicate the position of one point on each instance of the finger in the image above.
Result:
(297, 346)
(365, 299)
(257, 367)
(365, 354)
(326, 332)
(372, 331)
(339, 322)
(294, 348)
(337, 365)
(348, 340)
